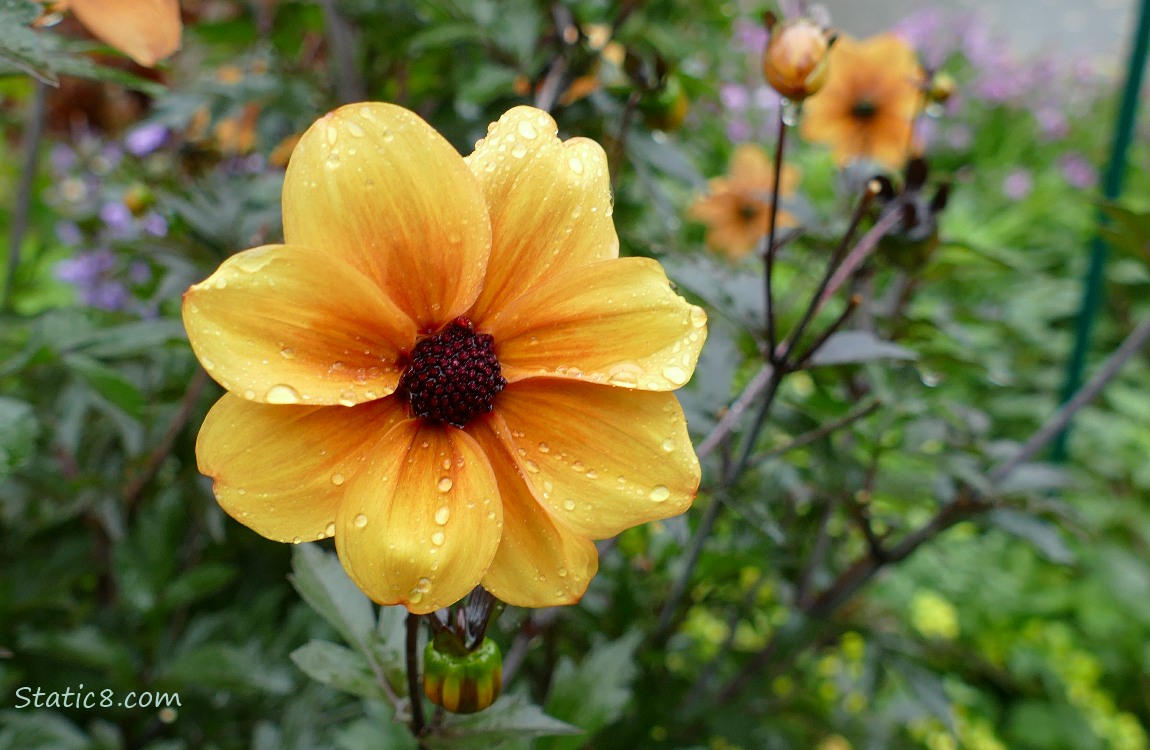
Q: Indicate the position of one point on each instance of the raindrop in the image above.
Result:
(221, 283)
(337, 479)
(576, 164)
(660, 493)
(544, 448)
(527, 130)
(569, 504)
(668, 445)
(677, 375)
(209, 364)
(531, 466)
(437, 538)
(287, 352)
(347, 398)
(332, 135)
(296, 540)
(789, 112)
(698, 317)
(519, 151)
(249, 394)
(444, 484)
(360, 521)
(282, 394)
(562, 572)
(330, 529)
(355, 129)
(579, 466)
(415, 597)
(442, 515)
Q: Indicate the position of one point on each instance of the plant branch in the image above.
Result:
(414, 694)
(769, 255)
(341, 42)
(859, 412)
(679, 587)
(858, 254)
(734, 413)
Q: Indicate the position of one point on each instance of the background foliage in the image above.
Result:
(1023, 628)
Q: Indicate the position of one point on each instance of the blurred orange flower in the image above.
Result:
(447, 367)
(738, 207)
(867, 107)
(145, 30)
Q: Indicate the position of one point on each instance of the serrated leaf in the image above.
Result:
(595, 693)
(321, 581)
(19, 429)
(20, 47)
(337, 667)
(853, 347)
(511, 718)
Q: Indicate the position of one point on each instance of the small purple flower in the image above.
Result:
(154, 224)
(68, 233)
(928, 32)
(116, 217)
(92, 276)
(767, 99)
(144, 139)
(750, 37)
(108, 294)
(959, 137)
(1017, 185)
(1078, 171)
(62, 158)
(738, 131)
(734, 97)
(140, 272)
(1052, 123)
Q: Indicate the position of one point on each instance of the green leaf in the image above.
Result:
(222, 666)
(132, 339)
(40, 730)
(20, 47)
(511, 718)
(1045, 536)
(337, 667)
(852, 347)
(199, 582)
(320, 579)
(19, 430)
(109, 383)
(86, 67)
(595, 693)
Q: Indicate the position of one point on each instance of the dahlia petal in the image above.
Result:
(375, 185)
(617, 322)
(145, 30)
(549, 200)
(540, 562)
(283, 324)
(601, 459)
(281, 470)
(421, 522)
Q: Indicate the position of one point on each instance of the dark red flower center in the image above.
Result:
(453, 375)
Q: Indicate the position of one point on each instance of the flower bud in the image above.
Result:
(666, 108)
(941, 88)
(795, 61)
(463, 683)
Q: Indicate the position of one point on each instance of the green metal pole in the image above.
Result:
(1111, 189)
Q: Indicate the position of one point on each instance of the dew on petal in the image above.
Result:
(659, 493)
(544, 448)
(282, 394)
(531, 466)
(354, 129)
(444, 484)
(677, 375)
(337, 479)
(569, 504)
(519, 151)
(329, 530)
(576, 164)
(527, 130)
(698, 317)
(442, 515)
(360, 521)
(668, 445)
(347, 398)
(249, 394)
(287, 352)
(437, 538)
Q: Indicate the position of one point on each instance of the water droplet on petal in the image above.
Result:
(329, 530)
(659, 493)
(360, 521)
(249, 394)
(437, 538)
(287, 352)
(576, 164)
(677, 375)
(544, 448)
(442, 515)
(569, 504)
(579, 466)
(354, 129)
(282, 394)
(698, 317)
(337, 479)
(668, 445)
(531, 466)
(444, 484)
(347, 398)
(519, 151)
(527, 130)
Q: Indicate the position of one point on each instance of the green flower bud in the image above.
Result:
(463, 684)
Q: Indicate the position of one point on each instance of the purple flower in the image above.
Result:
(734, 97)
(1052, 122)
(145, 139)
(767, 99)
(1078, 171)
(140, 272)
(106, 295)
(116, 217)
(750, 37)
(68, 233)
(928, 32)
(92, 276)
(154, 224)
(1017, 185)
(62, 158)
(959, 137)
(738, 131)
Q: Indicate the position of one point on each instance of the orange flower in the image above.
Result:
(446, 366)
(867, 107)
(145, 30)
(737, 210)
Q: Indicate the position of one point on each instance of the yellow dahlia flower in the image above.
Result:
(446, 366)
(145, 30)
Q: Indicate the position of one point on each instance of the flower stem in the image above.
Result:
(33, 135)
(415, 695)
(772, 221)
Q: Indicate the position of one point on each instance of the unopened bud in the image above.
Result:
(463, 683)
(941, 88)
(795, 62)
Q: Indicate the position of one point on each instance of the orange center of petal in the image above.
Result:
(453, 375)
